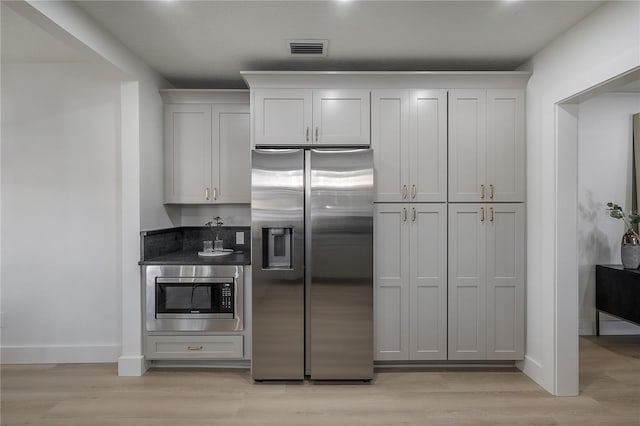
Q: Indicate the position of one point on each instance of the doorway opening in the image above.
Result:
(594, 166)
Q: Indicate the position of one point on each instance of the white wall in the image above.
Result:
(605, 173)
(139, 146)
(60, 214)
(599, 48)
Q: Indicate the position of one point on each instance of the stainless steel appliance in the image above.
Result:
(312, 264)
(194, 298)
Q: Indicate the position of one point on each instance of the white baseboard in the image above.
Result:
(534, 370)
(59, 354)
(132, 365)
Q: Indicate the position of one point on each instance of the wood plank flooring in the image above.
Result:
(92, 394)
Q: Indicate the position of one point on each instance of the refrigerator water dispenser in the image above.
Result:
(277, 248)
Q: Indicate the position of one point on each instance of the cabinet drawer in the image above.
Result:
(194, 347)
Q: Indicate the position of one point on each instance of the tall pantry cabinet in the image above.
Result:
(409, 129)
(486, 224)
(449, 223)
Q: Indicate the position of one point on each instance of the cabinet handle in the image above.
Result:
(491, 191)
(195, 348)
(316, 133)
(481, 214)
(414, 191)
(492, 214)
(215, 193)
(482, 192)
(307, 134)
(413, 215)
(404, 214)
(206, 193)
(404, 192)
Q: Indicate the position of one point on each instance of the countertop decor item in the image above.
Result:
(630, 244)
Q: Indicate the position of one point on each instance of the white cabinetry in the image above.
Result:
(409, 141)
(486, 145)
(207, 149)
(410, 281)
(193, 347)
(232, 160)
(300, 117)
(486, 281)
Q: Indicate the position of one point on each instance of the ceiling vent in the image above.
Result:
(308, 48)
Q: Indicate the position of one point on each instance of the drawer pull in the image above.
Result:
(195, 348)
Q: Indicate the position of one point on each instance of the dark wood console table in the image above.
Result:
(617, 293)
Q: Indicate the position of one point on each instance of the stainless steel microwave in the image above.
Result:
(194, 298)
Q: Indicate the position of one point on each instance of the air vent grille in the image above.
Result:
(308, 48)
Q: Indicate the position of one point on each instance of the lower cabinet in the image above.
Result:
(410, 281)
(486, 281)
(193, 347)
(449, 285)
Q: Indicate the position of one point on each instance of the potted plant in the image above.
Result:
(630, 245)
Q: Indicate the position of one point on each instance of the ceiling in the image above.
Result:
(204, 44)
(207, 43)
(25, 42)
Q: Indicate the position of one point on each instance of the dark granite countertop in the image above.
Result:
(190, 257)
(180, 246)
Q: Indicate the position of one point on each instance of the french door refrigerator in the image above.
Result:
(312, 264)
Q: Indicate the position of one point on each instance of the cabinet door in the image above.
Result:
(505, 145)
(282, 116)
(341, 117)
(187, 153)
(390, 140)
(428, 282)
(231, 154)
(505, 281)
(391, 266)
(467, 139)
(428, 146)
(467, 286)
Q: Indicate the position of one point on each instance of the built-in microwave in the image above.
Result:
(194, 298)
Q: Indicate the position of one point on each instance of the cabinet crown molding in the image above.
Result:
(386, 79)
(205, 96)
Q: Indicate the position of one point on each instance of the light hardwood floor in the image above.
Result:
(92, 394)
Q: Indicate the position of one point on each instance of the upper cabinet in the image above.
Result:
(207, 147)
(231, 164)
(486, 145)
(409, 140)
(187, 153)
(318, 117)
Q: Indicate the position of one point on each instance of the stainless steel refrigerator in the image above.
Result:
(312, 264)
